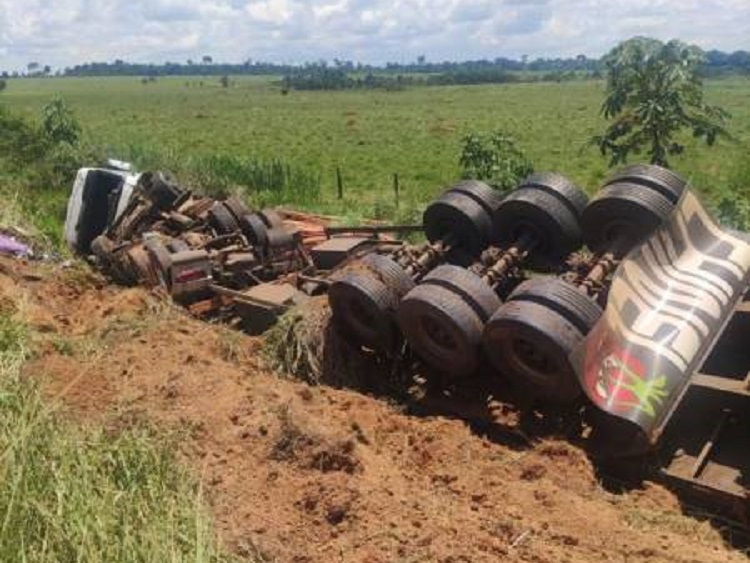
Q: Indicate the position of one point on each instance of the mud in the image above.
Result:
(313, 474)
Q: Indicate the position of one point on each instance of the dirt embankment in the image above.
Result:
(302, 474)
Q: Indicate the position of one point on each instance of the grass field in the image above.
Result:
(369, 134)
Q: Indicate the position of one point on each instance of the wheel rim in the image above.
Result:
(363, 314)
(438, 337)
(618, 232)
(526, 229)
(532, 359)
(439, 341)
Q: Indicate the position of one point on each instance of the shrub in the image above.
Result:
(21, 142)
(733, 211)
(495, 159)
(59, 123)
(733, 200)
(46, 155)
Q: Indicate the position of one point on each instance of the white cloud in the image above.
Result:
(66, 32)
(276, 12)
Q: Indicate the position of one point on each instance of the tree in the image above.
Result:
(32, 67)
(207, 59)
(3, 84)
(224, 80)
(653, 92)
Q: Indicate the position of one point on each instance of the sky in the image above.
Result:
(66, 32)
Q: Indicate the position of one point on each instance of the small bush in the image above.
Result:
(732, 201)
(48, 153)
(733, 211)
(22, 142)
(38, 161)
(493, 158)
(59, 124)
(3, 84)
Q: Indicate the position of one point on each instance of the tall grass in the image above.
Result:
(273, 181)
(265, 182)
(74, 494)
(37, 167)
(37, 211)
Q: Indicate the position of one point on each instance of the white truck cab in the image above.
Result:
(99, 196)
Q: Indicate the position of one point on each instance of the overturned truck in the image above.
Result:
(643, 332)
(629, 309)
(218, 258)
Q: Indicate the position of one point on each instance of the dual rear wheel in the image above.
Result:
(444, 317)
(530, 338)
(364, 300)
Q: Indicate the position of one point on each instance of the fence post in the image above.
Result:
(339, 183)
(395, 187)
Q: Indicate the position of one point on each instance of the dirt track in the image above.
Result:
(299, 473)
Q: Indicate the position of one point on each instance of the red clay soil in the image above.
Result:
(302, 474)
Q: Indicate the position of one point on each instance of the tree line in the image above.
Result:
(715, 63)
(327, 78)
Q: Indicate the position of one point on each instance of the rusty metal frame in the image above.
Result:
(701, 453)
(374, 229)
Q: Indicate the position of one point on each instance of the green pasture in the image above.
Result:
(370, 135)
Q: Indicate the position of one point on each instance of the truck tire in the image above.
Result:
(468, 286)
(222, 220)
(442, 329)
(363, 307)
(237, 208)
(622, 215)
(163, 191)
(457, 216)
(552, 225)
(390, 273)
(255, 230)
(662, 180)
(530, 338)
(570, 195)
(483, 194)
(279, 238)
(562, 296)
(271, 219)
